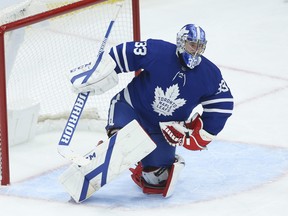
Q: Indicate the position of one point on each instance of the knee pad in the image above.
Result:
(158, 180)
(155, 175)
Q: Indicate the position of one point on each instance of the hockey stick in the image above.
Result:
(66, 137)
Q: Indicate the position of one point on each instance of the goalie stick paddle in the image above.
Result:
(66, 137)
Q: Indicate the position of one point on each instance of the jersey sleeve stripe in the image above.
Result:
(217, 110)
(117, 58)
(220, 100)
(127, 96)
(125, 57)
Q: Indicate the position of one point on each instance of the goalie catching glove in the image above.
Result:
(189, 134)
(102, 79)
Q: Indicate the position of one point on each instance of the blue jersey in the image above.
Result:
(166, 91)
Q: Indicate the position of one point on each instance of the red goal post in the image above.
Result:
(62, 36)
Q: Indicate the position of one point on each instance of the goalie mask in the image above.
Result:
(191, 44)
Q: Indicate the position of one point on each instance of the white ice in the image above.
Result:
(244, 172)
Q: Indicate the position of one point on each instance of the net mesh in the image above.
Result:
(50, 49)
(38, 57)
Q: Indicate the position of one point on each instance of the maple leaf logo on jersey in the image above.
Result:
(165, 103)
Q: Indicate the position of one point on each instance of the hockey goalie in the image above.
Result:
(149, 118)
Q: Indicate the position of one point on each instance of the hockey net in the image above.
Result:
(40, 42)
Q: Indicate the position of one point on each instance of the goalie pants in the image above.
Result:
(121, 113)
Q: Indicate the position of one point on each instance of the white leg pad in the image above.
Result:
(174, 176)
(108, 160)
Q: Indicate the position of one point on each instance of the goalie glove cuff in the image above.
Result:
(191, 135)
(198, 140)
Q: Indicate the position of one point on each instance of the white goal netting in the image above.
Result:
(50, 49)
(39, 56)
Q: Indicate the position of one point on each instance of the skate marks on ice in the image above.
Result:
(225, 169)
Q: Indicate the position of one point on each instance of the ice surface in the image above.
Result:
(244, 172)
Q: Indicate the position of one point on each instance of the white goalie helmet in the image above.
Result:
(191, 44)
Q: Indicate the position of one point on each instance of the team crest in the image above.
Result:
(165, 103)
